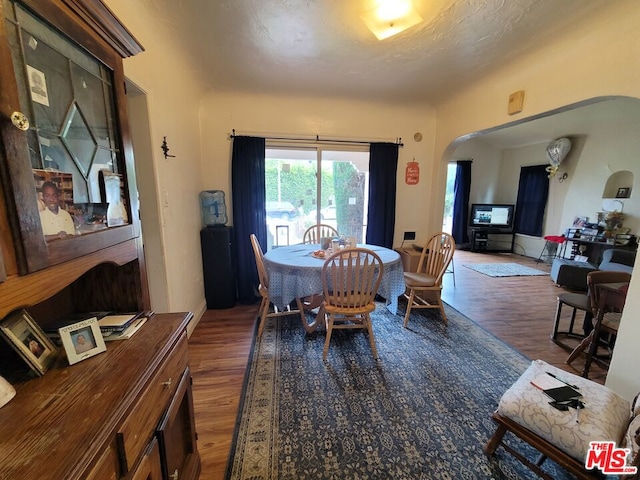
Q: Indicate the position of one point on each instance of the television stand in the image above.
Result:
(480, 241)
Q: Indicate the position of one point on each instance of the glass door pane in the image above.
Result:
(291, 193)
(301, 194)
(345, 191)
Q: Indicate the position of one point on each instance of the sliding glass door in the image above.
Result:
(310, 185)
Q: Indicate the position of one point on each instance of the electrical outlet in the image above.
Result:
(409, 236)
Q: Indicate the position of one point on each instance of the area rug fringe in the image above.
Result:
(422, 411)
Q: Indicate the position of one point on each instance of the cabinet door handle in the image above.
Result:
(174, 475)
(168, 385)
(20, 121)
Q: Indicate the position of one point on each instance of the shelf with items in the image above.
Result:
(485, 240)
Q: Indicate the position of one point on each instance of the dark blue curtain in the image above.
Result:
(461, 190)
(381, 219)
(533, 193)
(249, 192)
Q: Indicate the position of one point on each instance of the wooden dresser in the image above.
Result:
(125, 413)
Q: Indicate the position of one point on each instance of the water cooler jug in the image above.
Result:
(214, 209)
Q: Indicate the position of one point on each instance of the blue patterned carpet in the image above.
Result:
(421, 412)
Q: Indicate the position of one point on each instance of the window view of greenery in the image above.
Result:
(293, 202)
(447, 220)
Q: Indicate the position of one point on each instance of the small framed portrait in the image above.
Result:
(623, 193)
(82, 340)
(29, 340)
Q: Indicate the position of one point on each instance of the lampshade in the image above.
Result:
(390, 17)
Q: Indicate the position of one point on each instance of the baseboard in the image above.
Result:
(197, 315)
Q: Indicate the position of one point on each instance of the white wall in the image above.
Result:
(173, 99)
(263, 115)
(598, 58)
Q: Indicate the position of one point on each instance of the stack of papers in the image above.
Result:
(129, 332)
(117, 322)
(555, 388)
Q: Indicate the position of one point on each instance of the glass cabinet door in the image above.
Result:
(66, 172)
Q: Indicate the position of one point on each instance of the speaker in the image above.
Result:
(217, 265)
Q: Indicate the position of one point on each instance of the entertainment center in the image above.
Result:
(488, 221)
(127, 412)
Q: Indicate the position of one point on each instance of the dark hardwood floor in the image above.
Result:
(518, 310)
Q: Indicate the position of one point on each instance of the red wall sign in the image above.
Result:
(412, 173)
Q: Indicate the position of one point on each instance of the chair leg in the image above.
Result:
(412, 295)
(556, 323)
(442, 312)
(328, 336)
(586, 341)
(543, 249)
(372, 338)
(264, 310)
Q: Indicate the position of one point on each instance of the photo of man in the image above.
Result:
(56, 222)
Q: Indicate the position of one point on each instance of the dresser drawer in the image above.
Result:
(143, 418)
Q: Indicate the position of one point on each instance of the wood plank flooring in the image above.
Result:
(518, 310)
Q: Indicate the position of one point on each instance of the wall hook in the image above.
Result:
(165, 148)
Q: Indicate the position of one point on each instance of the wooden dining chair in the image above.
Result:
(425, 285)
(263, 289)
(606, 320)
(314, 233)
(350, 281)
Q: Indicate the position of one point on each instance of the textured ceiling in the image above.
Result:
(323, 48)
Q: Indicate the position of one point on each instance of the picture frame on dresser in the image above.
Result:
(29, 341)
(82, 340)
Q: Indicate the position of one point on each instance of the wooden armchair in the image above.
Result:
(263, 289)
(350, 281)
(425, 285)
(315, 233)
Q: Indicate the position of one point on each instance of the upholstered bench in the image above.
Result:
(563, 436)
(570, 273)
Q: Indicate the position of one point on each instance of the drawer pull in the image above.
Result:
(168, 384)
(174, 475)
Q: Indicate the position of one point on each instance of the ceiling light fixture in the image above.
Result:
(390, 17)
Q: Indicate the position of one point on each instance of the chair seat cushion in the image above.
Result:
(604, 418)
(415, 279)
(575, 300)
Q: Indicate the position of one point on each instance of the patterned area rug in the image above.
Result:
(504, 269)
(423, 411)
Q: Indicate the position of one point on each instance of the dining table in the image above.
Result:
(295, 273)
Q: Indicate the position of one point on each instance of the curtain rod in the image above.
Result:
(317, 139)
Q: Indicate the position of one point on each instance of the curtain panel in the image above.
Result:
(461, 191)
(381, 217)
(533, 193)
(249, 206)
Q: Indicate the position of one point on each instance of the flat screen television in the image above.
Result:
(491, 216)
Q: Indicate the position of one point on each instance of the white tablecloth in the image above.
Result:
(294, 273)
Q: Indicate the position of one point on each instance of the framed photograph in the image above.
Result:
(623, 193)
(580, 222)
(82, 340)
(89, 217)
(29, 340)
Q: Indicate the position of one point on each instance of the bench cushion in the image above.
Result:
(570, 273)
(604, 418)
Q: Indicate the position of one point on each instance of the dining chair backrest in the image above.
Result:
(351, 277)
(437, 255)
(314, 233)
(599, 277)
(263, 277)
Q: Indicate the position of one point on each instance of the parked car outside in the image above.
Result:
(283, 210)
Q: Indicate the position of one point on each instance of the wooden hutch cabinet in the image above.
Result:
(126, 413)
